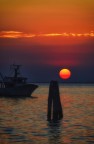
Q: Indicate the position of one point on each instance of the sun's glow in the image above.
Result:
(65, 73)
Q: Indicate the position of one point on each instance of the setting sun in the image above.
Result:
(65, 73)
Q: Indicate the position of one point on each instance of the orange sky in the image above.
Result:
(40, 19)
(49, 16)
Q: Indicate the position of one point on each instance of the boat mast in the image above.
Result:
(16, 70)
(2, 77)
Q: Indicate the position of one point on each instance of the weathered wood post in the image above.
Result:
(54, 105)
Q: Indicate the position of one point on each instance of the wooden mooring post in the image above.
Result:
(55, 111)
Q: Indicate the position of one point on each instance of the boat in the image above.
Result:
(16, 85)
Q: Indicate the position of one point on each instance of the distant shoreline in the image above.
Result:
(66, 84)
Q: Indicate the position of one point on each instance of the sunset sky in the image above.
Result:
(47, 35)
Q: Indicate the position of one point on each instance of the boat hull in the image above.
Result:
(18, 91)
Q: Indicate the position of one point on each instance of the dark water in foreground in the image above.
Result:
(23, 121)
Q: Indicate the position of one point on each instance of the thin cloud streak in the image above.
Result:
(15, 34)
(18, 34)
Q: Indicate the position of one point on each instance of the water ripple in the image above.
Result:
(24, 120)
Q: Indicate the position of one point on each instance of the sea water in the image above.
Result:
(24, 120)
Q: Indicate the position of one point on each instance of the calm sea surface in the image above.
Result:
(23, 121)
